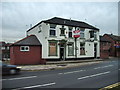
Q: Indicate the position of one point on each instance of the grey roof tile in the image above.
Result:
(29, 40)
(67, 22)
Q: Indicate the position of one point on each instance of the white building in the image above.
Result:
(56, 37)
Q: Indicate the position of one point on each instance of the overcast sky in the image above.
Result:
(17, 16)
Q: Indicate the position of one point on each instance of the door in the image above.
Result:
(61, 52)
(95, 50)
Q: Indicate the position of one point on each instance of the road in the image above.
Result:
(88, 76)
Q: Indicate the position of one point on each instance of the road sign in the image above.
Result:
(76, 33)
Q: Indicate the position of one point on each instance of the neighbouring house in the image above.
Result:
(105, 45)
(26, 51)
(4, 51)
(115, 44)
(58, 43)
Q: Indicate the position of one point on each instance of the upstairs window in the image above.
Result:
(95, 35)
(24, 48)
(52, 30)
(70, 32)
(82, 33)
(82, 48)
(62, 31)
(91, 34)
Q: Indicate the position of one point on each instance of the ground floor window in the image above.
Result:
(82, 48)
(52, 48)
(70, 49)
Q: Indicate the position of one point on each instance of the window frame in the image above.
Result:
(91, 34)
(62, 29)
(25, 50)
(72, 44)
(55, 47)
(82, 32)
(83, 47)
(95, 35)
(52, 28)
(70, 31)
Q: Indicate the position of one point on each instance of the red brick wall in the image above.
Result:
(112, 48)
(104, 49)
(118, 52)
(104, 54)
(34, 56)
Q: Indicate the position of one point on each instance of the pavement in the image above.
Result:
(51, 65)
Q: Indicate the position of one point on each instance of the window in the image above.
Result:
(70, 32)
(82, 48)
(52, 49)
(95, 35)
(91, 34)
(70, 49)
(24, 48)
(8, 48)
(82, 33)
(2, 48)
(52, 30)
(62, 31)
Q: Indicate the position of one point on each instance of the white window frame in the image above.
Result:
(95, 35)
(83, 33)
(53, 30)
(24, 48)
(2, 48)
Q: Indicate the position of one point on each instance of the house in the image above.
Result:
(105, 45)
(26, 51)
(56, 36)
(4, 51)
(115, 44)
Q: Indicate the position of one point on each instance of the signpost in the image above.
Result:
(76, 34)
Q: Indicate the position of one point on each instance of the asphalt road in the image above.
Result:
(89, 76)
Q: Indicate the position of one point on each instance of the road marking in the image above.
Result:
(97, 68)
(107, 66)
(94, 75)
(71, 72)
(20, 78)
(103, 67)
(43, 85)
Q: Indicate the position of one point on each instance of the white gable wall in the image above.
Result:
(43, 36)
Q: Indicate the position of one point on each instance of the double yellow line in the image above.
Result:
(110, 86)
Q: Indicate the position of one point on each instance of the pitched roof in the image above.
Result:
(68, 22)
(103, 39)
(3, 44)
(114, 37)
(29, 40)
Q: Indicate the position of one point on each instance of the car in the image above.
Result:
(10, 69)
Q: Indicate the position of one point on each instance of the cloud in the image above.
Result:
(17, 16)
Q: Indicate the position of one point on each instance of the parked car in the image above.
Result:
(10, 69)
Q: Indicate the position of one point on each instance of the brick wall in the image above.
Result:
(34, 56)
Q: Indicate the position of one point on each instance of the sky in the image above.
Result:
(16, 17)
